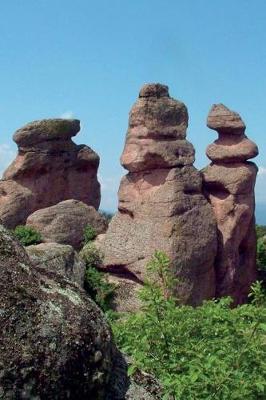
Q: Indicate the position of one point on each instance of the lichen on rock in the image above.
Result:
(55, 342)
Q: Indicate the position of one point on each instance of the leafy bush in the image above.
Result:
(91, 255)
(89, 234)
(96, 284)
(208, 352)
(27, 235)
(261, 254)
(100, 290)
(260, 231)
(261, 260)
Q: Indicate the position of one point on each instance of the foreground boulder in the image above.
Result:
(59, 258)
(229, 185)
(65, 222)
(54, 342)
(49, 168)
(161, 205)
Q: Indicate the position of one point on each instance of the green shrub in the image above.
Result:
(96, 284)
(89, 234)
(208, 352)
(27, 235)
(91, 255)
(260, 231)
(100, 290)
(261, 254)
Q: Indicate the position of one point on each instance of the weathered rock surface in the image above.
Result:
(229, 149)
(161, 206)
(49, 168)
(224, 120)
(65, 222)
(229, 185)
(54, 342)
(59, 258)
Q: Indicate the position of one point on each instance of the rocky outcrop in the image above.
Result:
(49, 168)
(229, 185)
(161, 206)
(65, 222)
(59, 258)
(54, 342)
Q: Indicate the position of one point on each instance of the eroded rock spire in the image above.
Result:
(229, 185)
(161, 205)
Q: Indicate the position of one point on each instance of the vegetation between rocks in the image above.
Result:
(208, 352)
(261, 252)
(89, 234)
(27, 235)
(95, 283)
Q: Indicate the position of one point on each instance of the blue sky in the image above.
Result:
(88, 59)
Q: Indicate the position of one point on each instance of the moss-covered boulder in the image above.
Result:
(54, 342)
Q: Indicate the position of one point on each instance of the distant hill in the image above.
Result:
(261, 214)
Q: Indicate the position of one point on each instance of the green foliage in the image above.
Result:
(96, 284)
(89, 234)
(27, 235)
(261, 259)
(203, 353)
(260, 231)
(100, 290)
(91, 255)
(261, 254)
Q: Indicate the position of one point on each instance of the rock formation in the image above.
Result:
(161, 206)
(54, 342)
(229, 185)
(59, 258)
(49, 168)
(65, 222)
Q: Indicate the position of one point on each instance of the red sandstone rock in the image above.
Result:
(222, 119)
(229, 148)
(65, 222)
(49, 168)
(161, 206)
(229, 185)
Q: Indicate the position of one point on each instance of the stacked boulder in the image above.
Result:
(161, 205)
(229, 185)
(49, 168)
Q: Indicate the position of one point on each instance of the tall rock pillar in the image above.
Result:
(161, 205)
(229, 185)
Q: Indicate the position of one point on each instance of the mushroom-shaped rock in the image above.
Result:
(49, 168)
(54, 342)
(46, 130)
